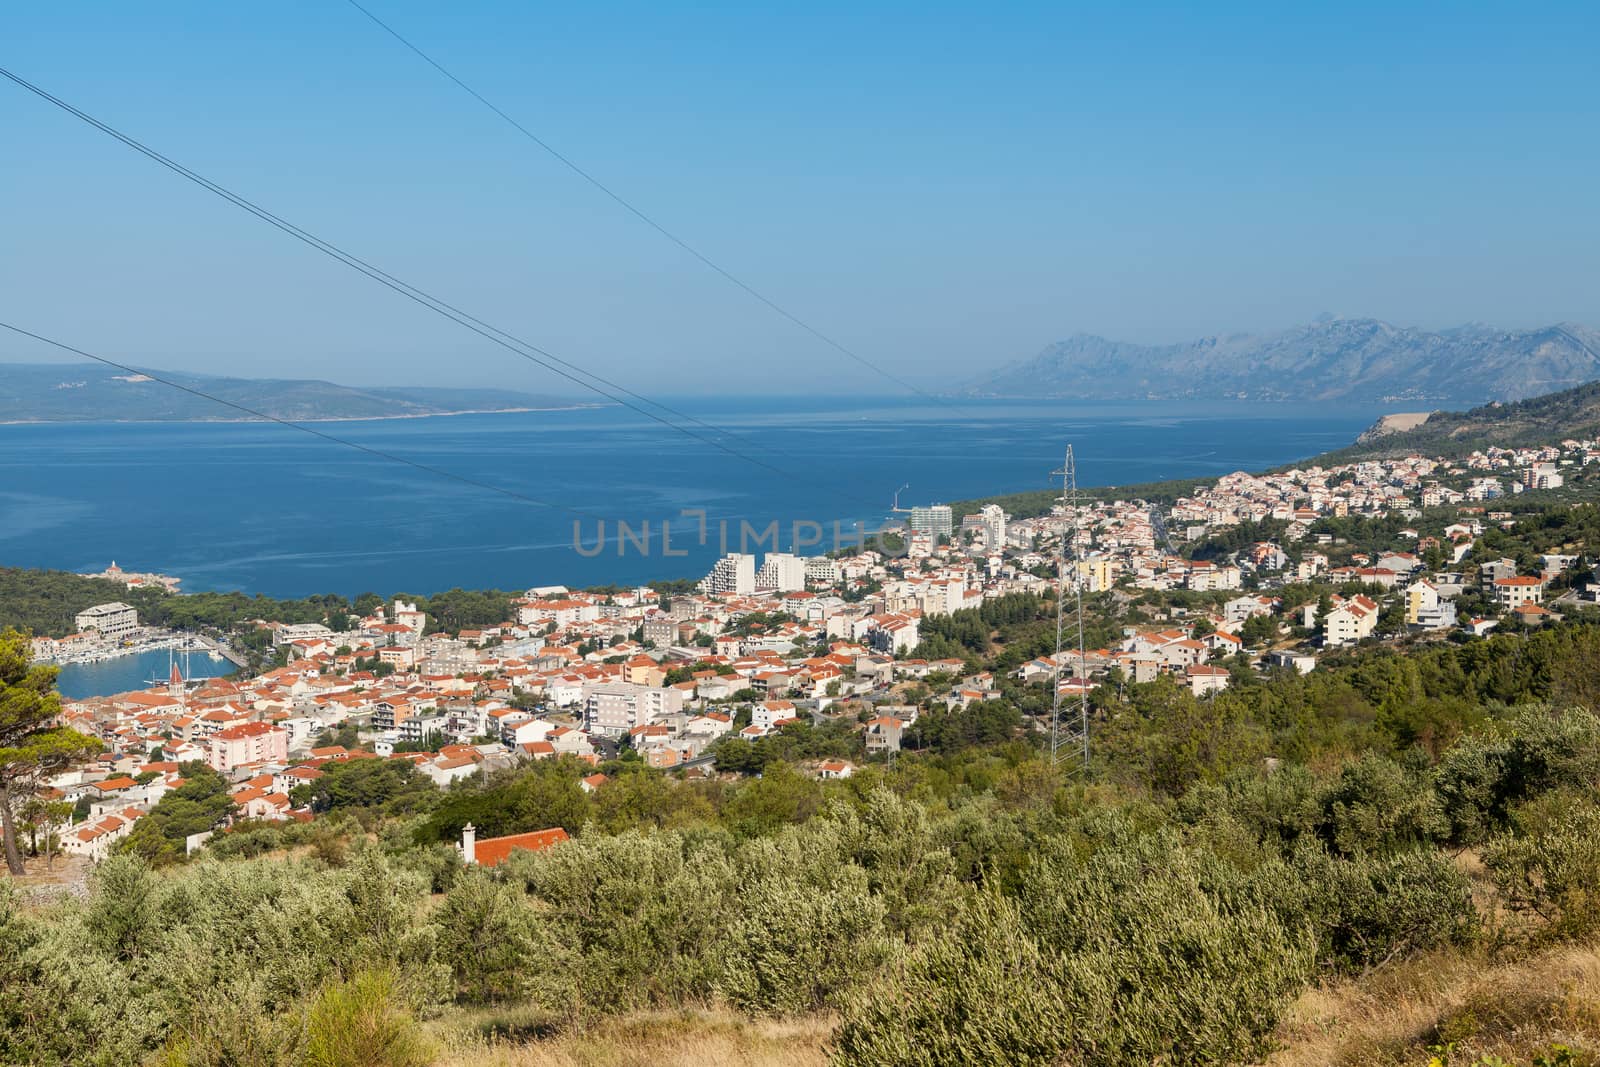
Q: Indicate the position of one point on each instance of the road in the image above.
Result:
(1159, 522)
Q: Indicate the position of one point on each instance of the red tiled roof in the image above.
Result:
(493, 852)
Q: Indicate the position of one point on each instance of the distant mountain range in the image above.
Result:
(89, 392)
(1332, 359)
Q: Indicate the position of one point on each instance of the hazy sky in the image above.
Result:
(941, 187)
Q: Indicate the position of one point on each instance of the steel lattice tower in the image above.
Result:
(1069, 740)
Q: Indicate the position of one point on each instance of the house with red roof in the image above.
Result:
(254, 742)
(1204, 678)
(1515, 591)
(493, 851)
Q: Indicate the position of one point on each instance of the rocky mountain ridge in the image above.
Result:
(1356, 360)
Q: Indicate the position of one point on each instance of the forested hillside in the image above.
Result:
(1571, 413)
(44, 603)
(1224, 858)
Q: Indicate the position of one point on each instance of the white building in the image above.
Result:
(95, 838)
(288, 633)
(408, 616)
(1514, 592)
(114, 621)
(1542, 476)
(935, 521)
(1206, 578)
(1204, 679)
(734, 573)
(559, 612)
(1426, 609)
(1241, 608)
(1304, 662)
(781, 572)
(614, 708)
(822, 570)
(769, 713)
(993, 521)
(1350, 620)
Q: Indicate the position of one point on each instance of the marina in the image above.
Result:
(183, 643)
(124, 670)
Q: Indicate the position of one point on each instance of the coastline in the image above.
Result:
(370, 537)
(327, 418)
(101, 678)
(178, 642)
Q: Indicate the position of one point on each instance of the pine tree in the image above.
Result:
(31, 745)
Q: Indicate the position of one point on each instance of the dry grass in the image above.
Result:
(662, 1039)
(42, 884)
(67, 868)
(1390, 1018)
(1513, 1010)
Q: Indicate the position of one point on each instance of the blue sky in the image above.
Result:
(942, 187)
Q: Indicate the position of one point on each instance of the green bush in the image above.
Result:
(1553, 872)
(1277, 809)
(1367, 910)
(1182, 959)
(1553, 750)
(487, 934)
(122, 907)
(19, 982)
(362, 1022)
(1130, 949)
(208, 963)
(986, 993)
(1480, 780)
(640, 913)
(796, 942)
(896, 843)
(1378, 807)
(1470, 781)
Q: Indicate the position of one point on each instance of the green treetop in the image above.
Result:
(31, 745)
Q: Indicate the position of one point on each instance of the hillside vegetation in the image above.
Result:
(1191, 901)
(45, 602)
(1571, 413)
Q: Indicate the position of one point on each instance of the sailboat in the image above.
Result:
(176, 683)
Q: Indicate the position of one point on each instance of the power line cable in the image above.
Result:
(638, 213)
(331, 438)
(357, 263)
(525, 349)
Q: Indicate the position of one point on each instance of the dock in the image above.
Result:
(222, 650)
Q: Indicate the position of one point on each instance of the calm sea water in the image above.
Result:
(265, 509)
(125, 673)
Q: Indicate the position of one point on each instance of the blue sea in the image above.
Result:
(124, 673)
(263, 508)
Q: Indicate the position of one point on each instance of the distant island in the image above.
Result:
(1356, 360)
(89, 392)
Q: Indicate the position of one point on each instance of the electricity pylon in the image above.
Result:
(1069, 741)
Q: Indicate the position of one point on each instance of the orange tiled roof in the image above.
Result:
(493, 852)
